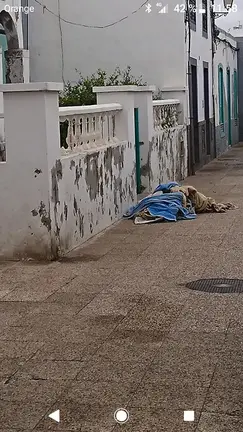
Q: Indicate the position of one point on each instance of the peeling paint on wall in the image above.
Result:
(118, 154)
(81, 223)
(97, 192)
(108, 161)
(54, 187)
(72, 164)
(59, 169)
(34, 212)
(78, 173)
(75, 206)
(166, 157)
(92, 175)
(44, 215)
(65, 211)
(37, 171)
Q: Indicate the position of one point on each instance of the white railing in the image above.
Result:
(165, 113)
(89, 126)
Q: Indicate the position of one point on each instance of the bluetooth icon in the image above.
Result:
(148, 8)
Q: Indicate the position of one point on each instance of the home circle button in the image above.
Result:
(121, 415)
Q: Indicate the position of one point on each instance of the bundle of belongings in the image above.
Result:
(172, 202)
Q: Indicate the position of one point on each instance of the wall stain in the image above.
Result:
(78, 173)
(37, 171)
(44, 215)
(106, 179)
(72, 164)
(59, 169)
(56, 175)
(108, 159)
(92, 175)
(126, 186)
(115, 200)
(75, 206)
(81, 223)
(65, 211)
(118, 188)
(61, 218)
(55, 190)
(101, 185)
(118, 153)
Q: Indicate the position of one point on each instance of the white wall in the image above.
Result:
(152, 44)
(50, 203)
(31, 148)
(95, 190)
(167, 160)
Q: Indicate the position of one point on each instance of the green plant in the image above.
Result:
(81, 93)
(158, 95)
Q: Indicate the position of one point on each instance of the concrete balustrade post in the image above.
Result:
(28, 189)
(130, 97)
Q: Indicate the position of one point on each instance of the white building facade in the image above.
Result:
(226, 84)
(176, 51)
(14, 54)
(13, 42)
(167, 49)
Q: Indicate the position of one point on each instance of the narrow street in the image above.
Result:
(114, 326)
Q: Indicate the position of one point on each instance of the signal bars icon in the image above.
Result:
(164, 9)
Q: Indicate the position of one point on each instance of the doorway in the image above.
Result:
(194, 131)
(229, 107)
(206, 106)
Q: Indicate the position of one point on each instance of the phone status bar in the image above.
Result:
(162, 8)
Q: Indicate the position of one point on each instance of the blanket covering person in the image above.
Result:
(172, 202)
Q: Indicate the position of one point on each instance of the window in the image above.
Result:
(193, 13)
(221, 96)
(235, 95)
(205, 17)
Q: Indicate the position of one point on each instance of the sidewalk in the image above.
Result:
(113, 326)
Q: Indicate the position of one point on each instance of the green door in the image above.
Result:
(137, 150)
(4, 46)
(229, 107)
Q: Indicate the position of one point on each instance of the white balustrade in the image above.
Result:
(165, 113)
(89, 126)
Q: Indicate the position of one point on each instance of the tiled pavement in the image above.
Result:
(113, 326)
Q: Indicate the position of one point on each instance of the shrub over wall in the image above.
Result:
(81, 93)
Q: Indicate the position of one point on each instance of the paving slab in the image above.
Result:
(113, 325)
(212, 422)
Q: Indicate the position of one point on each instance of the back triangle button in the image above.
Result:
(55, 416)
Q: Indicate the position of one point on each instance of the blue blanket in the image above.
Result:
(168, 206)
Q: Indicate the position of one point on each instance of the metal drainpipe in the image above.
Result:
(191, 147)
(213, 89)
